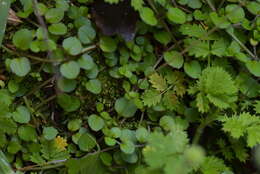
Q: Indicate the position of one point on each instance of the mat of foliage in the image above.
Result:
(182, 97)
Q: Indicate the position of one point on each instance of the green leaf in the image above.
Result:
(191, 3)
(58, 29)
(213, 165)
(54, 15)
(7, 126)
(176, 15)
(95, 122)
(94, 86)
(70, 70)
(193, 30)
(74, 124)
(68, 103)
(27, 133)
(22, 39)
(4, 8)
(235, 13)
(20, 66)
(151, 97)
(220, 22)
(107, 44)
(142, 134)
(254, 67)
(163, 37)
(148, 16)
(66, 85)
(72, 45)
(192, 69)
(219, 47)
(158, 82)
(174, 59)
(49, 133)
(86, 62)
(253, 7)
(21, 115)
(86, 165)
(127, 147)
(125, 107)
(86, 142)
(86, 34)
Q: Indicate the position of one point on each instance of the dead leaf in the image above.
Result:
(12, 18)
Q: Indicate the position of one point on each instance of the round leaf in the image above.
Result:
(74, 124)
(174, 59)
(108, 44)
(125, 108)
(192, 69)
(127, 147)
(20, 66)
(95, 122)
(27, 133)
(54, 15)
(68, 103)
(86, 62)
(86, 142)
(86, 34)
(58, 29)
(72, 45)
(70, 70)
(21, 115)
(22, 39)
(94, 86)
(49, 133)
(67, 85)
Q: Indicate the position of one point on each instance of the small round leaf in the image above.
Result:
(70, 69)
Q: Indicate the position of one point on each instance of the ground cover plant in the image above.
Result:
(140, 87)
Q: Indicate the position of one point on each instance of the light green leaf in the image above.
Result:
(58, 29)
(94, 86)
(254, 67)
(192, 69)
(107, 44)
(95, 122)
(70, 69)
(148, 16)
(174, 59)
(54, 15)
(21, 115)
(22, 39)
(86, 34)
(86, 62)
(49, 133)
(27, 133)
(20, 66)
(72, 45)
(86, 142)
(176, 15)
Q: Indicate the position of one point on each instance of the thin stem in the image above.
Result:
(88, 48)
(44, 102)
(211, 5)
(40, 86)
(28, 56)
(242, 45)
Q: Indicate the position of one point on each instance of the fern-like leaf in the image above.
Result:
(151, 97)
(158, 82)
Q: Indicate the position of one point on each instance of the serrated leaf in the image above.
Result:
(158, 82)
